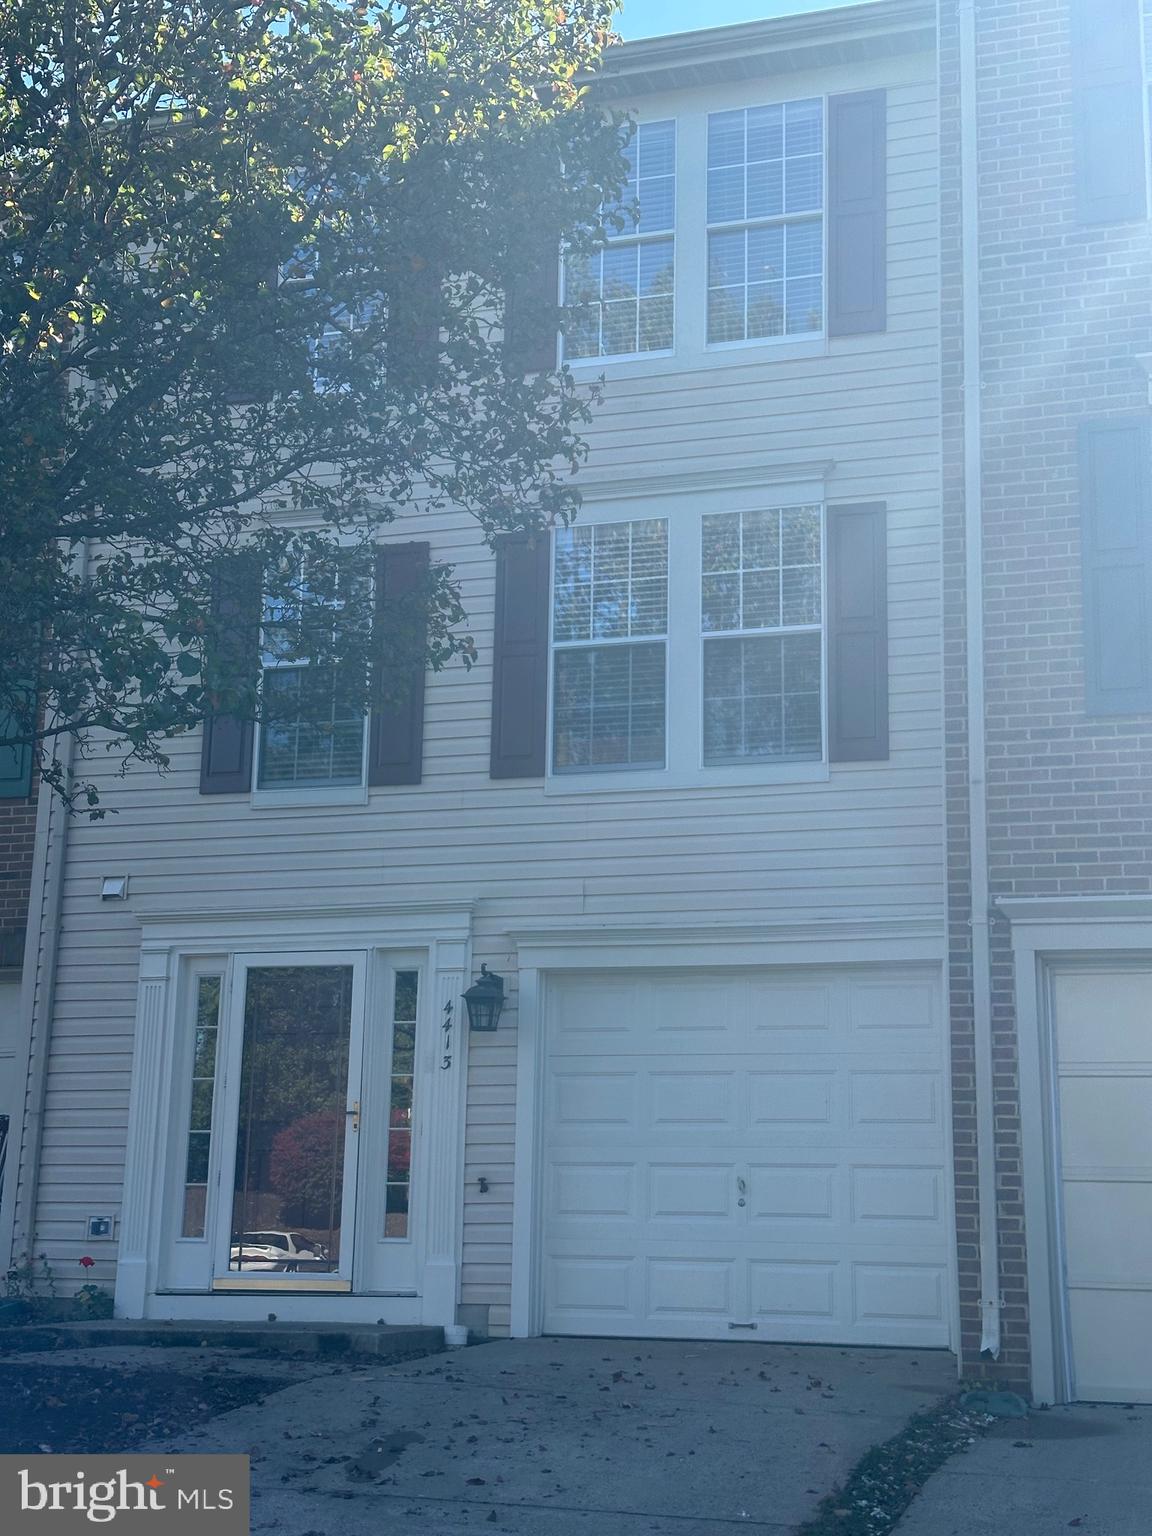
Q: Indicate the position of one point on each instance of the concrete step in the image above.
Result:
(382, 1341)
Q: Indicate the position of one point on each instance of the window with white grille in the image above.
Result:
(761, 618)
(765, 221)
(609, 633)
(623, 295)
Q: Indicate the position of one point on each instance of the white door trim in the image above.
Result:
(443, 931)
(1047, 932)
(833, 943)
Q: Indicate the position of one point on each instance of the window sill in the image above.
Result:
(721, 354)
(286, 799)
(753, 776)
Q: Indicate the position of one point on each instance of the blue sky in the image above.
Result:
(651, 18)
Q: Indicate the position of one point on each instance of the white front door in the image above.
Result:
(296, 1153)
(290, 1116)
(757, 1154)
(1103, 1030)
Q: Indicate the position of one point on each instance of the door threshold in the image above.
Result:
(317, 1286)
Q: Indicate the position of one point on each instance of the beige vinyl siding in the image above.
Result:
(867, 843)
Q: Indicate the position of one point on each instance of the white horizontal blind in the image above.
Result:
(311, 734)
(766, 230)
(609, 629)
(623, 294)
(763, 644)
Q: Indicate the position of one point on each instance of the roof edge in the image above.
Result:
(655, 63)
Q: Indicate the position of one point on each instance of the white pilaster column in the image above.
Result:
(444, 1125)
(147, 1123)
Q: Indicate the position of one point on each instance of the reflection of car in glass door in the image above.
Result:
(281, 1252)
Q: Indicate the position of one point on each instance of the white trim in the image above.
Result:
(832, 944)
(752, 488)
(806, 477)
(1047, 932)
(170, 938)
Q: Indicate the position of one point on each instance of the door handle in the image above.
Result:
(354, 1114)
(741, 1186)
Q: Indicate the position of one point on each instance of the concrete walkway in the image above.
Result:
(1085, 1469)
(573, 1438)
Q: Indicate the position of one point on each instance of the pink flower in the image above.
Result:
(87, 1262)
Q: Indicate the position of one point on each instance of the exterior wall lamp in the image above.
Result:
(484, 1000)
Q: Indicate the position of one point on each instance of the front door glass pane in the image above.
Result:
(293, 1120)
(400, 1104)
(200, 1114)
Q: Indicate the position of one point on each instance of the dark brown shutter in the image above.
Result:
(396, 733)
(531, 312)
(226, 748)
(858, 633)
(520, 657)
(857, 213)
(412, 326)
(1116, 524)
(1108, 109)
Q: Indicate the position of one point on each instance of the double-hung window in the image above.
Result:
(690, 646)
(311, 735)
(609, 632)
(761, 615)
(766, 221)
(622, 296)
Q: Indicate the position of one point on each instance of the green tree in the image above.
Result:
(253, 260)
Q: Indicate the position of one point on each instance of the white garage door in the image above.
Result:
(1104, 1064)
(747, 1154)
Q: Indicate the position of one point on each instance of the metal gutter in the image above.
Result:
(756, 48)
(974, 653)
(53, 821)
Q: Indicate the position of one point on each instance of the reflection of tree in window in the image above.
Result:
(312, 731)
(400, 1123)
(623, 294)
(293, 1098)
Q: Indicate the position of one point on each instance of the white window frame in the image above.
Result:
(556, 646)
(781, 629)
(776, 221)
(636, 237)
(319, 793)
(684, 655)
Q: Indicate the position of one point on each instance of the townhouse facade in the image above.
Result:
(707, 803)
(1050, 430)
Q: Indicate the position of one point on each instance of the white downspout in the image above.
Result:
(974, 649)
(53, 823)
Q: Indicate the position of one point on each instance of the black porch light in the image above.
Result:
(484, 1000)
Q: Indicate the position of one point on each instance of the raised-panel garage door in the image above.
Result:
(747, 1154)
(1104, 1069)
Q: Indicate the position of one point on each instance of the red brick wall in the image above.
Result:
(1065, 310)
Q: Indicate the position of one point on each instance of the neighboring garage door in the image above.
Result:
(1104, 1068)
(747, 1154)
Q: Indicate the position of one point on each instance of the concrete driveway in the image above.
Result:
(1087, 1468)
(565, 1437)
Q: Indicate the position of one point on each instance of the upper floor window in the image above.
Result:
(761, 619)
(609, 632)
(721, 667)
(765, 221)
(623, 294)
(310, 735)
